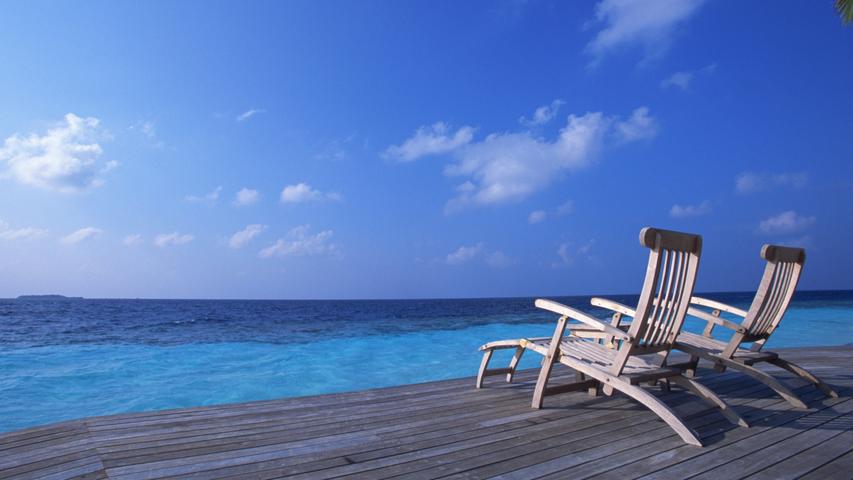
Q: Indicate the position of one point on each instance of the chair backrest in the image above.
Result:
(781, 275)
(665, 297)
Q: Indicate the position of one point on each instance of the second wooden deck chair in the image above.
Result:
(642, 350)
(781, 275)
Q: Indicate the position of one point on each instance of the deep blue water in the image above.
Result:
(64, 359)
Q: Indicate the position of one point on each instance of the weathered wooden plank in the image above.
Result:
(810, 458)
(837, 468)
(636, 459)
(736, 457)
(756, 410)
(781, 413)
(807, 435)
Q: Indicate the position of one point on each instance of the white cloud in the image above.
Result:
(678, 79)
(464, 254)
(210, 199)
(249, 114)
(786, 222)
(685, 211)
(149, 130)
(565, 208)
(639, 127)
(565, 256)
(25, 233)
(174, 238)
(338, 149)
(246, 196)
(749, 182)
(80, 235)
(65, 159)
(567, 253)
(132, 240)
(430, 140)
(508, 167)
(537, 216)
(649, 24)
(683, 80)
(468, 253)
(300, 242)
(498, 259)
(243, 237)
(542, 115)
(302, 192)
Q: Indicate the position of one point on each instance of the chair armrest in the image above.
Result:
(717, 306)
(614, 306)
(715, 320)
(569, 312)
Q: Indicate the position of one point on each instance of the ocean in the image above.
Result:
(62, 359)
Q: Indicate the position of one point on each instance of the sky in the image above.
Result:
(419, 149)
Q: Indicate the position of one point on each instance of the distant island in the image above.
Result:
(47, 297)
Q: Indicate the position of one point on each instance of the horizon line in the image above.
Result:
(386, 299)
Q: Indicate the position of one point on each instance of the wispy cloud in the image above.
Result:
(786, 222)
(132, 240)
(65, 159)
(301, 242)
(430, 140)
(148, 129)
(508, 167)
(537, 216)
(464, 254)
(565, 208)
(302, 193)
(25, 233)
(174, 238)
(478, 252)
(78, 236)
(647, 24)
(245, 116)
(210, 199)
(338, 149)
(243, 237)
(686, 211)
(543, 114)
(750, 182)
(683, 80)
(246, 197)
(567, 253)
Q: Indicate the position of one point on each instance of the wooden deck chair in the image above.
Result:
(781, 275)
(663, 304)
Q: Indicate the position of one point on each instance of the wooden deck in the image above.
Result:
(449, 429)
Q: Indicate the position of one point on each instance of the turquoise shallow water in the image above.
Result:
(69, 359)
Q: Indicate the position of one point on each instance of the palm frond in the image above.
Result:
(845, 9)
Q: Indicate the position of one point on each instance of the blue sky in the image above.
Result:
(416, 149)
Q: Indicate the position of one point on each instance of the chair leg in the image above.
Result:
(487, 355)
(768, 380)
(513, 364)
(655, 405)
(806, 375)
(542, 382)
(709, 396)
(690, 371)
